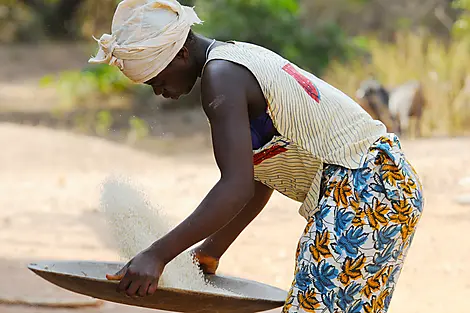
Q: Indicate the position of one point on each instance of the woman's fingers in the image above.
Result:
(125, 283)
(143, 289)
(133, 287)
(153, 287)
(133, 283)
(207, 264)
(119, 275)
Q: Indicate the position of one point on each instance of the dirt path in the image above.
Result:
(50, 182)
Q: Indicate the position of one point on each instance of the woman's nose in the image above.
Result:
(157, 91)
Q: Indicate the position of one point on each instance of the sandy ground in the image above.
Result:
(50, 185)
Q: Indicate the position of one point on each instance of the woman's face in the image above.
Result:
(177, 79)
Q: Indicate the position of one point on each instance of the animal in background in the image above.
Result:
(405, 104)
(374, 98)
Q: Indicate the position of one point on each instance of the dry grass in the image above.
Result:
(444, 71)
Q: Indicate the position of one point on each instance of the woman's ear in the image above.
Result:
(183, 54)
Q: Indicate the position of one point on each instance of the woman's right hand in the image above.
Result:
(207, 263)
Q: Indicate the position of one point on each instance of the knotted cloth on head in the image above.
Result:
(146, 35)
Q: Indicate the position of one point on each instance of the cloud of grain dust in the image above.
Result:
(134, 224)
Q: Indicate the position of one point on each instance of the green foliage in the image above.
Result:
(77, 88)
(462, 25)
(108, 79)
(139, 127)
(93, 90)
(104, 121)
(276, 25)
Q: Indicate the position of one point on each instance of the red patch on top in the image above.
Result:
(306, 84)
(267, 154)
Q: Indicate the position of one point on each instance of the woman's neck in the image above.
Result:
(200, 46)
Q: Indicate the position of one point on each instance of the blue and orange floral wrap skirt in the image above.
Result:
(352, 250)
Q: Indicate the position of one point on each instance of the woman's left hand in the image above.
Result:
(140, 276)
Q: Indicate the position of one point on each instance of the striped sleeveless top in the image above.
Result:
(316, 125)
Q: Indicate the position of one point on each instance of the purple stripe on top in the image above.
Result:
(262, 130)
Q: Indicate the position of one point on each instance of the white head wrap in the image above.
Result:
(146, 37)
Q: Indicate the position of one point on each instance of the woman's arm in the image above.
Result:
(224, 100)
(209, 252)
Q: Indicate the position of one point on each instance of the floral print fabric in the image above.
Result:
(352, 250)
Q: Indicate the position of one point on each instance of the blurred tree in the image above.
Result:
(276, 25)
(462, 25)
(188, 2)
(82, 18)
(33, 20)
(383, 18)
(56, 16)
